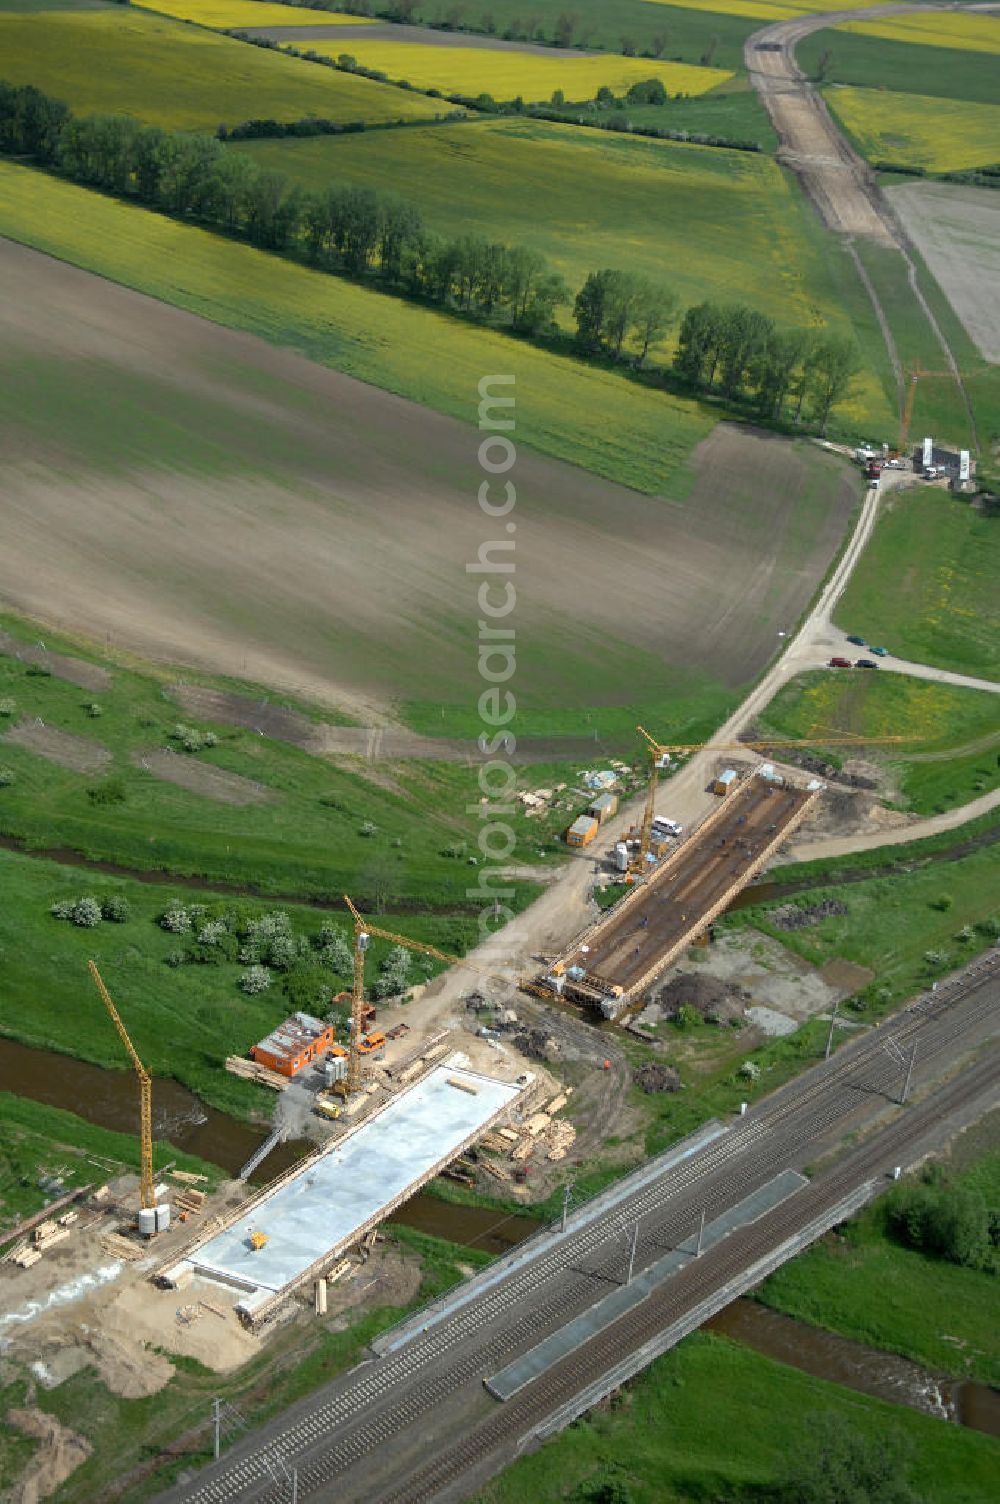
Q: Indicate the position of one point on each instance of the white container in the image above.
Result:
(621, 857)
(147, 1221)
(163, 1217)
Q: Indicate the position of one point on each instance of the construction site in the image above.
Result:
(611, 966)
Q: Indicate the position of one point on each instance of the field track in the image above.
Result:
(247, 515)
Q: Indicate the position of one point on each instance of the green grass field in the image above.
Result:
(894, 920)
(925, 586)
(712, 1421)
(38, 1142)
(709, 223)
(184, 77)
(185, 1019)
(918, 130)
(306, 841)
(733, 111)
(644, 440)
(872, 63)
(942, 1315)
(949, 755)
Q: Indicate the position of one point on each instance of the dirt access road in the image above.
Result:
(840, 184)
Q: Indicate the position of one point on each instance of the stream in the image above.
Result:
(868, 1370)
(109, 1099)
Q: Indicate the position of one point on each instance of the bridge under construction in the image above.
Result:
(613, 963)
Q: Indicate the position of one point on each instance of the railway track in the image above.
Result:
(361, 1413)
(692, 1285)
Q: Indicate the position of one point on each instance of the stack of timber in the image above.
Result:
(122, 1248)
(249, 1070)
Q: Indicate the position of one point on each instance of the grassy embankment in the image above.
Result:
(126, 1433)
(950, 753)
(709, 224)
(940, 1314)
(39, 1141)
(703, 1423)
(926, 584)
(184, 77)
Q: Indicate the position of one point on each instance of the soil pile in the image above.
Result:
(792, 916)
(717, 1001)
(652, 1077)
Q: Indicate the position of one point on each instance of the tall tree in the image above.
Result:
(835, 363)
(654, 311)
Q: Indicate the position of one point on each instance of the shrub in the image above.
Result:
(7, 777)
(38, 671)
(7, 707)
(112, 791)
(943, 902)
(212, 933)
(175, 957)
(176, 921)
(94, 710)
(254, 980)
(369, 828)
(63, 909)
(335, 955)
(749, 1071)
(944, 1220)
(937, 958)
(87, 913)
(116, 908)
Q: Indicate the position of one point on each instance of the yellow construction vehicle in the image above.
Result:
(258, 1240)
(147, 1196)
(658, 751)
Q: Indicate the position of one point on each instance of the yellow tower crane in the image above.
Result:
(657, 751)
(363, 931)
(147, 1196)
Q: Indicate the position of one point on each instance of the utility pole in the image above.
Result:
(909, 1074)
(829, 1037)
(701, 1234)
(567, 1192)
(216, 1427)
(631, 1253)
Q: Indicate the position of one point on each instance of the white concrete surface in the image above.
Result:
(335, 1195)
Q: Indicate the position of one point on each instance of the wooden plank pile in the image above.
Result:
(122, 1248)
(249, 1070)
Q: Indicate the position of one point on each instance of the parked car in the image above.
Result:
(866, 663)
(859, 642)
(840, 663)
(881, 652)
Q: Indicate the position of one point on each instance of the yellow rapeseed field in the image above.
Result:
(129, 62)
(915, 130)
(762, 10)
(578, 412)
(753, 10)
(234, 15)
(963, 33)
(507, 73)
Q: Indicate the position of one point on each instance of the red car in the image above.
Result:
(840, 663)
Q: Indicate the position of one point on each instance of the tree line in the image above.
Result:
(620, 316)
(748, 357)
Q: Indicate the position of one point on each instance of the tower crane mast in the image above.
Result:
(147, 1196)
